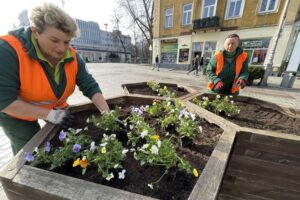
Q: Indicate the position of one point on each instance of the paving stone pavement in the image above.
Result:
(111, 76)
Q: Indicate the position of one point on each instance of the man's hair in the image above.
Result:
(233, 35)
(48, 14)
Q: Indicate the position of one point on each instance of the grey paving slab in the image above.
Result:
(111, 76)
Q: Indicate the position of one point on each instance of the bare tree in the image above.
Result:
(117, 35)
(141, 13)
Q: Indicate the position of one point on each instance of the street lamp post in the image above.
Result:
(269, 63)
(150, 51)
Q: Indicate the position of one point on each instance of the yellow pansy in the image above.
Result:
(103, 150)
(195, 172)
(76, 162)
(155, 137)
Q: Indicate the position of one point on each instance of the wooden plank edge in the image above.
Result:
(210, 181)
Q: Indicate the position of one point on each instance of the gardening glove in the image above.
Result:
(241, 83)
(62, 118)
(219, 85)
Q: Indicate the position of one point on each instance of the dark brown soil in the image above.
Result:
(255, 115)
(175, 185)
(259, 117)
(145, 90)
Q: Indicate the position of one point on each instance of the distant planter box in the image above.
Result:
(141, 88)
(22, 181)
(264, 163)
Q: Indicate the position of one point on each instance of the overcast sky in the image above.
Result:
(99, 11)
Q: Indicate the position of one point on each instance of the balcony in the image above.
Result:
(206, 23)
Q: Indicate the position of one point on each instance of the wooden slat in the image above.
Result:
(53, 184)
(209, 182)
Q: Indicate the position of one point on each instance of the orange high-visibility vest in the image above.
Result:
(238, 67)
(34, 85)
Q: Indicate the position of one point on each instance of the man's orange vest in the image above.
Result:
(34, 85)
(238, 67)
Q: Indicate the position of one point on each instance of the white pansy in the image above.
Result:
(172, 110)
(93, 146)
(131, 126)
(231, 101)
(230, 96)
(144, 133)
(169, 103)
(132, 150)
(158, 143)
(110, 176)
(167, 133)
(145, 146)
(124, 151)
(154, 149)
(200, 129)
(86, 128)
(36, 149)
(193, 116)
(116, 166)
(78, 130)
(218, 96)
(122, 174)
(88, 120)
(83, 158)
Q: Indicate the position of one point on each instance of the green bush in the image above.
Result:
(255, 72)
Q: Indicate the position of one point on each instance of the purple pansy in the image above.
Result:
(62, 135)
(29, 157)
(47, 147)
(76, 148)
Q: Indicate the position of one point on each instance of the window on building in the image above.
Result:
(197, 49)
(209, 49)
(209, 8)
(256, 50)
(169, 18)
(187, 14)
(234, 8)
(268, 6)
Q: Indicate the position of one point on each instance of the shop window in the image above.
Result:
(183, 55)
(209, 49)
(258, 56)
(169, 18)
(234, 8)
(268, 6)
(187, 14)
(209, 8)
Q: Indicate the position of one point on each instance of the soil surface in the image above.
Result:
(175, 185)
(254, 115)
(145, 90)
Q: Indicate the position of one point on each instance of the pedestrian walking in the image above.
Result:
(227, 70)
(39, 71)
(156, 63)
(196, 65)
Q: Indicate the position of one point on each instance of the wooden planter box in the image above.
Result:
(25, 182)
(141, 87)
(264, 164)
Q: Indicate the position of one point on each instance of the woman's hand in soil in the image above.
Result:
(241, 83)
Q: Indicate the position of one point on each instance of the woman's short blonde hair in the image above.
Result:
(48, 14)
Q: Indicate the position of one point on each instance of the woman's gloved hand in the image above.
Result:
(219, 85)
(241, 83)
(62, 118)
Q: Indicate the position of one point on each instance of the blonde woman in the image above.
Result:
(39, 71)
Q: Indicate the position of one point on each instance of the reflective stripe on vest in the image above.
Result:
(34, 85)
(238, 67)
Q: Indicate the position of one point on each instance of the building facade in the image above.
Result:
(184, 28)
(96, 45)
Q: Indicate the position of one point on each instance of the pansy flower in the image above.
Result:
(47, 147)
(122, 174)
(195, 172)
(29, 157)
(62, 135)
(76, 148)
